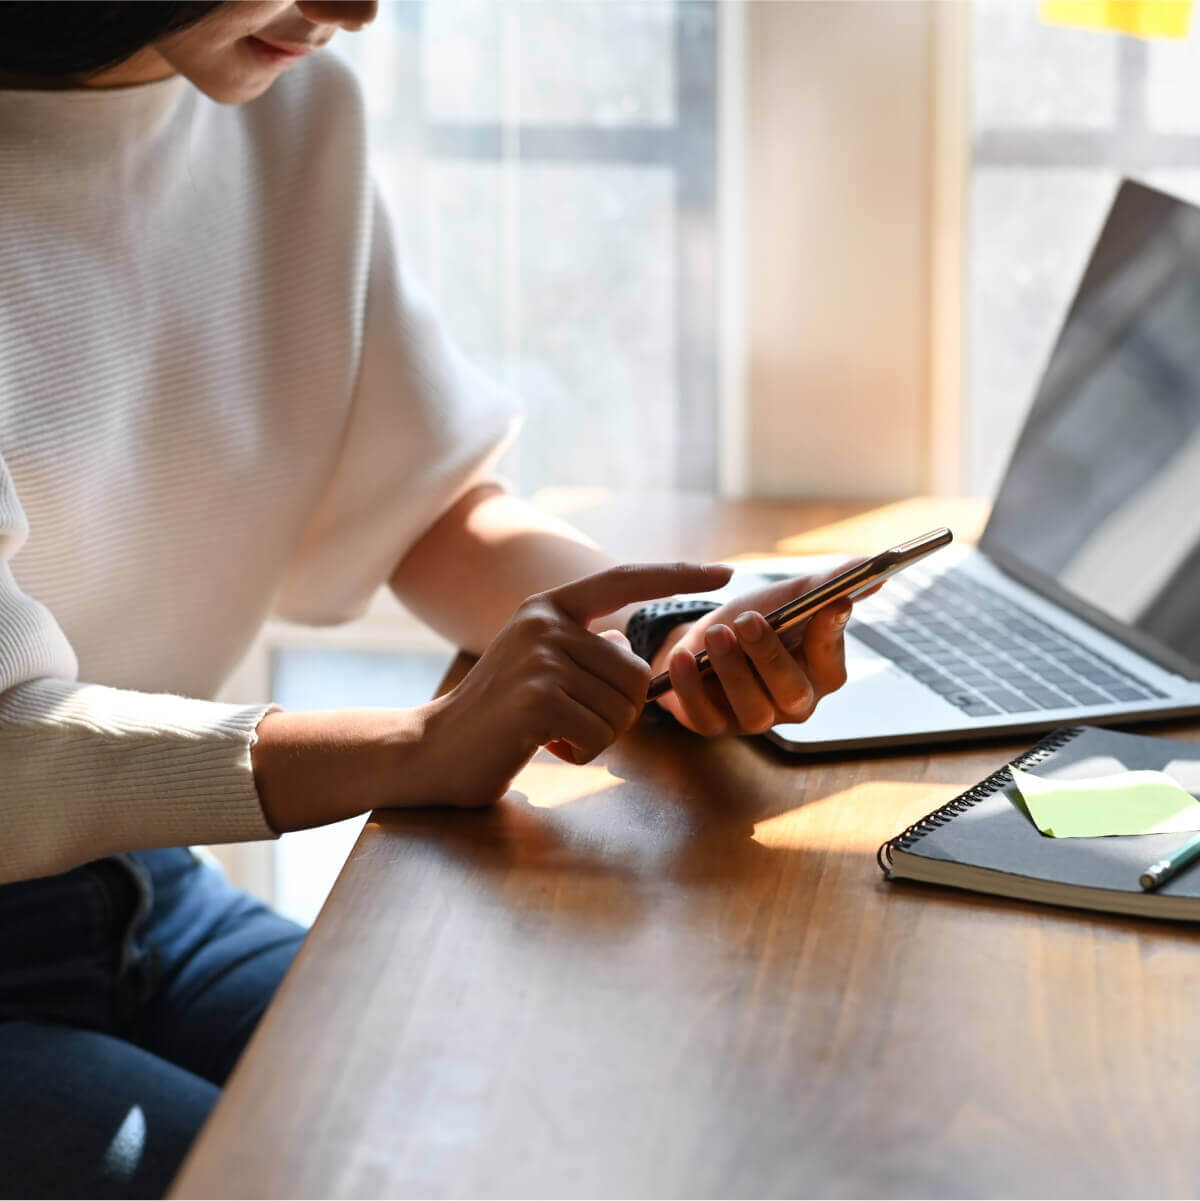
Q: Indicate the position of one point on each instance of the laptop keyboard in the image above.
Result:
(984, 653)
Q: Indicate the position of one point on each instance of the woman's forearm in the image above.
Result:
(314, 768)
(483, 557)
(466, 578)
(544, 680)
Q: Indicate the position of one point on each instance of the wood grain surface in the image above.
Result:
(678, 971)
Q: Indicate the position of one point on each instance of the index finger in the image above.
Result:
(595, 595)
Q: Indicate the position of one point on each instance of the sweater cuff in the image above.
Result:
(91, 771)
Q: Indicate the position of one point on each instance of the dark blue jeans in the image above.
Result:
(128, 988)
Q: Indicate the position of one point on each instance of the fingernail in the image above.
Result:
(749, 626)
(841, 616)
(720, 638)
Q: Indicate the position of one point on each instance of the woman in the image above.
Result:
(222, 396)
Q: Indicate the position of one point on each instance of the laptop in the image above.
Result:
(1081, 602)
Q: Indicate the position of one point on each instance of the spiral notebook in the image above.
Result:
(983, 840)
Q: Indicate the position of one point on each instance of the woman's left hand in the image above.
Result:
(759, 678)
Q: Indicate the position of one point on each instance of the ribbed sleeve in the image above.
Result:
(90, 770)
(87, 770)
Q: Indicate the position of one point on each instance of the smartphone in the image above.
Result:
(852, 582)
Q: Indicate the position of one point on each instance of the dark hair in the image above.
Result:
(64, 38)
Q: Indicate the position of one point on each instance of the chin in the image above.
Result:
(237, 91)
(230, 76)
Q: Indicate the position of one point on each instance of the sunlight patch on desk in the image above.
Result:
(554, 784)
(881, 527)
(854, 819)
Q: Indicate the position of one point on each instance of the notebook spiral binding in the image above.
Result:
(961, 803)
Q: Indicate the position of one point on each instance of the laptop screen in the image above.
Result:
(1100, 506)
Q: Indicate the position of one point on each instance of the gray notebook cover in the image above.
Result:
(986, 829)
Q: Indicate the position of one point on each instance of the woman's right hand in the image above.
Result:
(544, 680)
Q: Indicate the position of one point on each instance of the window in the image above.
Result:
(552, 170)
(1058, 116)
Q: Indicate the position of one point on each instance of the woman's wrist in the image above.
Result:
(311, 769)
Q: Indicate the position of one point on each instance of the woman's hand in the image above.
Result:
(758, 677)
(545, 680)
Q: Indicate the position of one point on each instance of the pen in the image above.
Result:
(1161, 871)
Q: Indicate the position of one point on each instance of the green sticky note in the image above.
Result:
(1134, 802)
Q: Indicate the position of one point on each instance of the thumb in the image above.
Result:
(618, 637)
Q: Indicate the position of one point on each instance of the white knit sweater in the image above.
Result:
(221, 397)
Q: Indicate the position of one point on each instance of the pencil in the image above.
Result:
(1162, 870)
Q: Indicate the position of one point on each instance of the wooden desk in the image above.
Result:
(679, 972)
